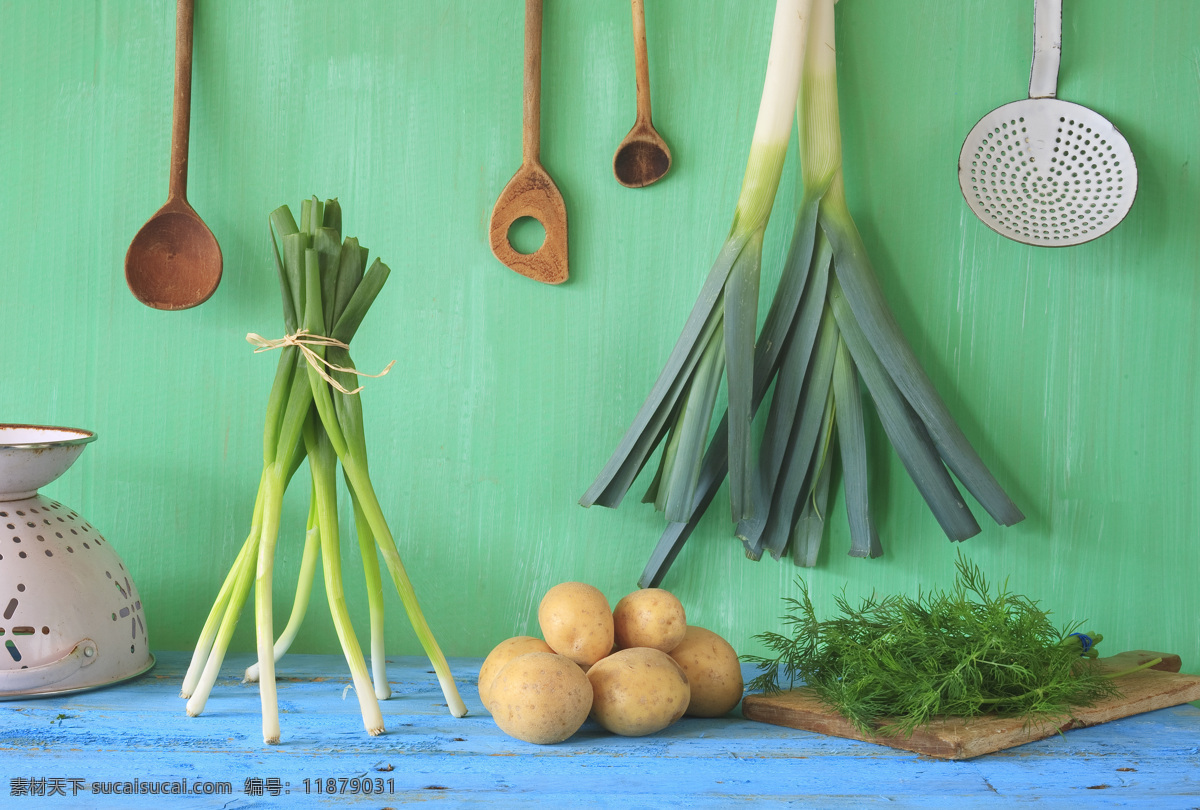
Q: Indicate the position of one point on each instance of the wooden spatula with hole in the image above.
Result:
(531, 192)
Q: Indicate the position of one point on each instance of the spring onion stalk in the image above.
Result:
(374, 585)
(718, 337)
(325, 295)
(829, 333)
(304, 583)
(291, 426)
(343, 417)
(208, 634)
(323, 461)
(218, 630)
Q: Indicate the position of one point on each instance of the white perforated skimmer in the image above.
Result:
(1045, 171)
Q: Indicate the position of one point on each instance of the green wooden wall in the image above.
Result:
(1073, 370)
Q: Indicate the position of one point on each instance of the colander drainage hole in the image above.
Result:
(12, 650)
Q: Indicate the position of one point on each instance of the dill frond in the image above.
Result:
(893, 664)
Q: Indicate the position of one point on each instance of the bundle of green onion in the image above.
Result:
(314, 412)
(828, 332)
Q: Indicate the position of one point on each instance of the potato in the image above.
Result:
(650, 617)
(576, 622)
(713, 671)
(540, 697)
(638, 691)
(500, 655)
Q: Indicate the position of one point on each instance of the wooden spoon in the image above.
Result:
(643, 156)
(174, 262)
(531, 192)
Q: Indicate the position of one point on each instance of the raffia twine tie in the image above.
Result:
(304, 341)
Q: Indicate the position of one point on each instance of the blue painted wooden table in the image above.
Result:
(65, 751)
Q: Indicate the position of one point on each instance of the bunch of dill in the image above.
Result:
(893, 664)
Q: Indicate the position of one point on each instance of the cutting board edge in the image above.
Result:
(952, 745)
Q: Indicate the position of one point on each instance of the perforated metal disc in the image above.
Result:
(1047, 172)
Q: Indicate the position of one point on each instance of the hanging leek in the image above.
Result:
(718, 337)
(829, 332)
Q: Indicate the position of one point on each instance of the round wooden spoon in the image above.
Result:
(643, 157)
(174, 262)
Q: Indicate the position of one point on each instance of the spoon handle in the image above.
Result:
(182, 115)
(641, 63)
(531, 135)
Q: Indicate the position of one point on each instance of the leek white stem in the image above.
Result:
(773, 128)
(784, 62)
(817, 110)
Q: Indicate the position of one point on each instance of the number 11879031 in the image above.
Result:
(359, 785)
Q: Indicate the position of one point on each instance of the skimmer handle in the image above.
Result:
(1047, 48)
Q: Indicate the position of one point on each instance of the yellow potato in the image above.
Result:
(540, 697)
(500, 655)
(576, 622)
(713, 670)
(638, 691)
(650, 617)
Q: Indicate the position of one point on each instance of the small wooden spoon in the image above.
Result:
(531, 192)
(643, 157)
(174, 262)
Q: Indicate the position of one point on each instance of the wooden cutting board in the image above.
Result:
(955, 738)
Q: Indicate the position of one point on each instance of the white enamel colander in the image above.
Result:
(70, 615)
